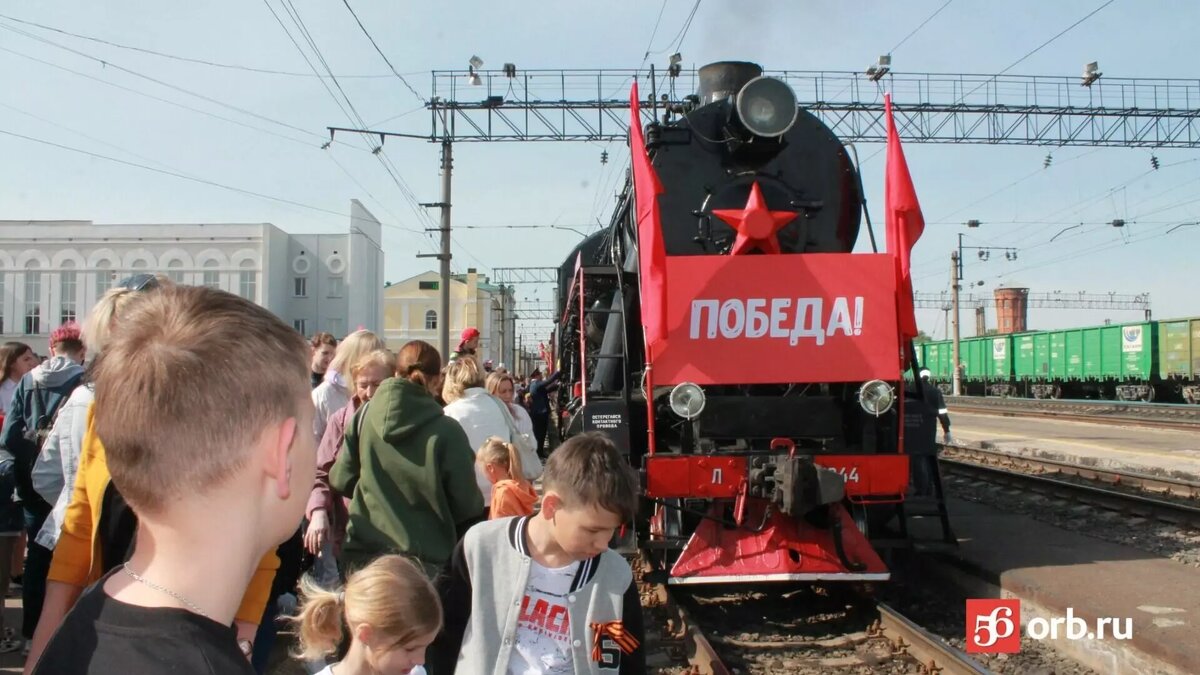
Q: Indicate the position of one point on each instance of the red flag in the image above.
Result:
(904, 221)
(652, 255)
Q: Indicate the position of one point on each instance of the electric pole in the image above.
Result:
(444, 256)
(447, 167)
(956, 374)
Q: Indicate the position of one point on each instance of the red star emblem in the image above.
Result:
(756, 225)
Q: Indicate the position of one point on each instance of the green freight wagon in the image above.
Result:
(1179, 359)
(1105, 362)
(1040, 363)
(987, 365)
(936, 356)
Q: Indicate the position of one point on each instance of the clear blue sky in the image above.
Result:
(501, 184)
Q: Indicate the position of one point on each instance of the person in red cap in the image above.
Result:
(468, 342)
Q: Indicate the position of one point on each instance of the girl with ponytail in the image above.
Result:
(512, 495)
(389, 610)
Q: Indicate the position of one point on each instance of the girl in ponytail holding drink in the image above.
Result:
(512, 495)
(389, 610)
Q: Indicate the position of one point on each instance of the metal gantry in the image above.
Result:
(507, 276)
(1052, 300)
(593, 105)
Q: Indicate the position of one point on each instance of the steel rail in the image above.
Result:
(1146, 482)
(933, 653)
(1121, 414)
(1166, 511)
(701, 655)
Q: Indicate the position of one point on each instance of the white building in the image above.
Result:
(52, 272)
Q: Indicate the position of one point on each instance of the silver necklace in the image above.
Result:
(162, 589)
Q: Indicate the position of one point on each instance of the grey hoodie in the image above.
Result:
(38, 396)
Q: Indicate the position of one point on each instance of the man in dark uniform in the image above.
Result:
(921, 435)
(937, 404)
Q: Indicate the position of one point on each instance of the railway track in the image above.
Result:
(1117, 491)
(871, 636)
(1125, 413)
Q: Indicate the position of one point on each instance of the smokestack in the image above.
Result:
(723, 79)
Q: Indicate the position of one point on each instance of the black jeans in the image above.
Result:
(540, 422)
(37, 568)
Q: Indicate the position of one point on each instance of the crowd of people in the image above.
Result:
(187, 476)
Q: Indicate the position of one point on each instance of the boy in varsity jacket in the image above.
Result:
(544, 594)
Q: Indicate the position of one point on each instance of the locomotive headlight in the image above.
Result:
(767, 107)
(876, 397)
(687, 400)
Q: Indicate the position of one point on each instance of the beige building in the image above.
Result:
(411, 307)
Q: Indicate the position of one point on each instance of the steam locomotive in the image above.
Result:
(766, 419)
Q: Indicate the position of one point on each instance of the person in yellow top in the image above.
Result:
(98, 533)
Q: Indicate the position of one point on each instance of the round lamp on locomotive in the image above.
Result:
(767, 107)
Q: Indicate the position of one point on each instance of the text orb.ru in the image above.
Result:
(993, 627)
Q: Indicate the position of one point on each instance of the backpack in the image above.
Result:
(46, 416)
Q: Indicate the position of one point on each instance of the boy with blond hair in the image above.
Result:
(543, 594)
(202, 401)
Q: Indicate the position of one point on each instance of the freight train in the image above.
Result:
(1138, 361)
(751, 364)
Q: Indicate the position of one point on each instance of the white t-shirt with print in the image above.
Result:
(543, 639)
(328, 670)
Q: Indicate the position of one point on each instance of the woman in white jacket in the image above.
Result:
(479, 413)
(502, 386)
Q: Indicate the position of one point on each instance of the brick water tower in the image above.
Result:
(1012, 309)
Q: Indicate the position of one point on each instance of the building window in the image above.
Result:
(430, 320)
(248, 285)
(336, 287)
(33, 300)
(104, 281)
(427, 285)
(335, 327)
(300, 289)
(301, 326)
(175, 271)
(69, 286)
(212, 278)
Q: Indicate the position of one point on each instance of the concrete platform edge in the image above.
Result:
(1103, 656)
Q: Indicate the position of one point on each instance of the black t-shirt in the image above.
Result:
(117, 529)
(317, 378)
(103, 636)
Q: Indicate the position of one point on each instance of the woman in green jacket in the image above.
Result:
(408, 470)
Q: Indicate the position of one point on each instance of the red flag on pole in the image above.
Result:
(904, 221)
(652, 255)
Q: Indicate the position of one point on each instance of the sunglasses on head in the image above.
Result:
(139, 282)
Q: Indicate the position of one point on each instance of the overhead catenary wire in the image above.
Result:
(920, 26)
(176, 174)
(185, 59)
(177, 104)
(384, 56)
(109, 64)
(345, 104)
(1036, 50)
(653, 33)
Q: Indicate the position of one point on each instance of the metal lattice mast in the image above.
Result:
(592, 105)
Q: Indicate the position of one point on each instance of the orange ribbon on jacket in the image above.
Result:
(614, 630)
